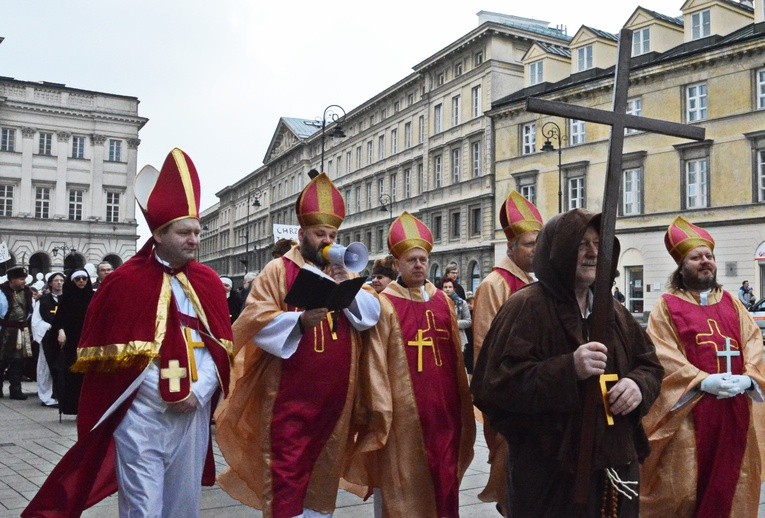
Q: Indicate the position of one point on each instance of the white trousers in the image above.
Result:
(44, 380)
(160, 456)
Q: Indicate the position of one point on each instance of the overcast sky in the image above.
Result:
(213, 77)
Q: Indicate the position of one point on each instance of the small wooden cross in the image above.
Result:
(728, 354)
(173, 372)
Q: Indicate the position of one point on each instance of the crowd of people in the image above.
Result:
(376, 394)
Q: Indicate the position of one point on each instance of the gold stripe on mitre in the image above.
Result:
(188, 185)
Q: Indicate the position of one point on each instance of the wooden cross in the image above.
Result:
(728, 354)
(602, 318)
(173, 372)
(427, 341)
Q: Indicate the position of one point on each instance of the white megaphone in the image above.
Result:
(354, 257)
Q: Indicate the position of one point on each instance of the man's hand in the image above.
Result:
(339, 273)
(186, 406)
(590, 360)
(311, 317)
(624, 397)
(61, 338)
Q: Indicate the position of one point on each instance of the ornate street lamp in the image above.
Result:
(256, 194)
(330, 116)
(554, 132)
(64, 249)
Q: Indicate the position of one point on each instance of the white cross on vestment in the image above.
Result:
(728, 354)
(173, 372)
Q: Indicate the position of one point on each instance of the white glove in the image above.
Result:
(718, 384)
(738, 385)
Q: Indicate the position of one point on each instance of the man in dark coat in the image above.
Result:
(529, 381)
(15, 339)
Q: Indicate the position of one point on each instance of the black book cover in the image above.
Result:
(312, 290)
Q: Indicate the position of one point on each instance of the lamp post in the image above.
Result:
(386, 205)
(554, 132)
(64, 249)
(254, 193)
(331, 116)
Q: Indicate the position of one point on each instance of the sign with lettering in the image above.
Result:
(286, 232)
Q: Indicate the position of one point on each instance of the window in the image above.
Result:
(584, 58)
(369, 152)
(761, 89)
(371, 120)
(357, 193)
(696, 184)
(409, 99)
(700, 25)
(440, 78)
(393, 186)
(436, 228)
(475, 221)
(641, 42)
(475, 101)
(526, 185)
(75, 204)
(457, 69)
(6, 200)
(348, 162)
(456, 158)
(576, 130)
(407, 183)
(46, 143)
(369, 195)
(358, 157)
(393, 141)
(329, 167)
(632, 192)
(380, 186)
(42, 202)
(455, 224)
(535, 73)
(456, 110)
(78, 147)
(529, 136)
(112, 207)
(396, 107)
(437, 171)
(420, 179)
(696, 102)
(381, 147)
(421, 128)
(383, 114)
(477, 58)
(407, 135)
(380, 239)
(8, 139)
(347, 198)
(575, 192)
(634, 107)
(475, 158)
(437, 118)
(115, 150)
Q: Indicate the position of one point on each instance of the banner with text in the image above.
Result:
(286, 232)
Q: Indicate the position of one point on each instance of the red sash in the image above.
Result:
(312, 394)
(720, 424)
(513, 282)
(432, 357)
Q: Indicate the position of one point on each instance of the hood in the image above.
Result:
(557, 249)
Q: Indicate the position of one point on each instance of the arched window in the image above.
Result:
(435, 273)
(475, 276)
(114, 260)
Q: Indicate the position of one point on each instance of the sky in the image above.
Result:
(214, 77)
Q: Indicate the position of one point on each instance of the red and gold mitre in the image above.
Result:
(170, 194)
(683, 236)
(320, 203)
(408, 232)
(518, 216)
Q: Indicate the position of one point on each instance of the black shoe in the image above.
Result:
(18, 394)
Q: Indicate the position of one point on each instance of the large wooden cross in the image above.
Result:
(602, 319)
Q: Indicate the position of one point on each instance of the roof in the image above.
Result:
(302, 128)
(564, 52)
(601, 34)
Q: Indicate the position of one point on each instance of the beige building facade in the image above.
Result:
(67, 166)
(705, 68)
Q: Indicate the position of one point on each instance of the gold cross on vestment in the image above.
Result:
(427, 341)
(173, 372)
(721, 343)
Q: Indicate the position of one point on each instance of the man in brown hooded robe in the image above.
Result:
(529, 381)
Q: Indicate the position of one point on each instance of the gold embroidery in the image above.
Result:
(713, 337)
(427, 341)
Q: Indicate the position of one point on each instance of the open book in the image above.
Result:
(314, 289)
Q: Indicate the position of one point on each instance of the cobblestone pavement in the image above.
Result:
(32, 440)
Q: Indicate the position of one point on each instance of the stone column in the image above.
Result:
(97, 198)
(61, 208)
(26, 194)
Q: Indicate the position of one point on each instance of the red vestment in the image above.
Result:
(123, 331)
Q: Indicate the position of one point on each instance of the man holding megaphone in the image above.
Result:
(286, 426)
